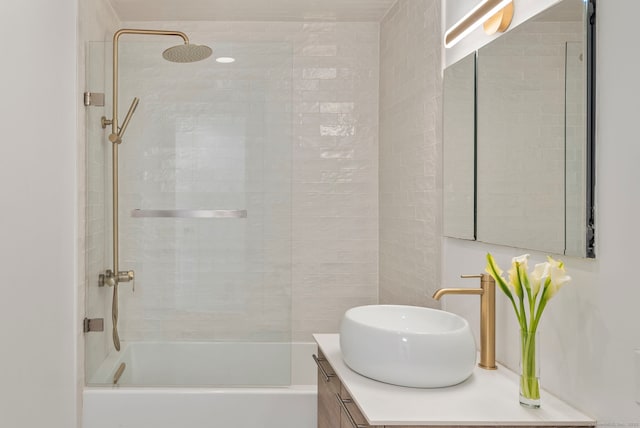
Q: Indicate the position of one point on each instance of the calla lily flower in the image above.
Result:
(523, 260)
(538, 287)
(518, 266)
(558, 277)
(538, 276)
(549, 277)
(494, 270)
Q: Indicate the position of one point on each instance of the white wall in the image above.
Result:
(410, 150)
(590, 329)
(39, 326)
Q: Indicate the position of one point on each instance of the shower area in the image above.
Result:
(189, 243)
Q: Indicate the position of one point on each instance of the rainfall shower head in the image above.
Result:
(187, 53)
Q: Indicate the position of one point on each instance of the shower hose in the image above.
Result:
(114, 317)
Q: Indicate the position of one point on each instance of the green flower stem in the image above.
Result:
(529, 384)
(523, 316)
(536, 320)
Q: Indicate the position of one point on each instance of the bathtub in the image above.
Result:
(133, 403)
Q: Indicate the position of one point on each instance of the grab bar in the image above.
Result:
(343, 403)
(139, 213)
(327, 376)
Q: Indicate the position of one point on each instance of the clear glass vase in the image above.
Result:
(529, 369)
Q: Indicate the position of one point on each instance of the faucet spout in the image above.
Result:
(487, 293)
(442, 291)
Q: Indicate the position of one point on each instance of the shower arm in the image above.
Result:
(116, 38)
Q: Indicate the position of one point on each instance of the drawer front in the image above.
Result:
(351, 416)
(328, 406)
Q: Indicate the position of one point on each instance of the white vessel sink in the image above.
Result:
(408, 345)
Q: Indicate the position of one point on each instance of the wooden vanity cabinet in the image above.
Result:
(333, 414)
(336, 409)
(351, 417)
(328, 386)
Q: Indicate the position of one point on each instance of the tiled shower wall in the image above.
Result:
(410, 152)
(216, 137)
(334, 181)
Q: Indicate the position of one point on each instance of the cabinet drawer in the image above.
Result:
(351, 416)
(328, 386)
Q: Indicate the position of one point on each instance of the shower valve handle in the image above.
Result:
(108, 278)
(127, 276)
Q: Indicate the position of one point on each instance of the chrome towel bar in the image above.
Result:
(139, 213)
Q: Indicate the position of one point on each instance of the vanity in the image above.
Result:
(488, 398)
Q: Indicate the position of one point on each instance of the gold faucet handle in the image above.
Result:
(128, 276)
(132, 277)
(485, 278)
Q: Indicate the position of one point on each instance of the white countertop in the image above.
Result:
(488, 397)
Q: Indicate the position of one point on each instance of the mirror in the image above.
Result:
(533, 137)
(459, 150)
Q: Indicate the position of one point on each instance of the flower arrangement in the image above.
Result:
(529, 294)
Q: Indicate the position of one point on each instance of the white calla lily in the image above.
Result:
(518, 266)
(523, 260)
(538, 277)
(558, 277)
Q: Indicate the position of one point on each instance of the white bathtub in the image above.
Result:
(135, 404)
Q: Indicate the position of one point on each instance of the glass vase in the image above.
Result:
(529, 369)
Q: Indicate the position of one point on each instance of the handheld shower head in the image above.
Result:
(117, 137)
(127, 118)
(187, 53)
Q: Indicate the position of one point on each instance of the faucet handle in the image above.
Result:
(485, 278)
(128, 276)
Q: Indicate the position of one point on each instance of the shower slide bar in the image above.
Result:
(189, 213)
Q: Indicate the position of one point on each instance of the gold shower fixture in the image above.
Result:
(184, 53)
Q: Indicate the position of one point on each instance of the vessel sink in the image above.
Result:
(408, 345)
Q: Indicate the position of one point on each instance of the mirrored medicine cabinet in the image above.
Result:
(518, 136)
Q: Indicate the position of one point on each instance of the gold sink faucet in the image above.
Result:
(487, 292)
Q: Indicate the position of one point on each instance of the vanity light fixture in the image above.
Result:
(495, 14)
